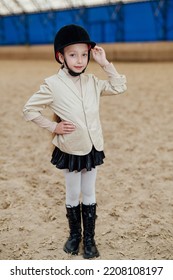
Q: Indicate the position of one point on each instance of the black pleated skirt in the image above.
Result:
(76, 163)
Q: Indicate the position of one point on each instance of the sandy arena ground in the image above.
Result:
(134, 186)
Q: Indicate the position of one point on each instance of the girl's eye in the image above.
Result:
(73, 55)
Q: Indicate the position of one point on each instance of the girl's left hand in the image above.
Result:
(99, 56)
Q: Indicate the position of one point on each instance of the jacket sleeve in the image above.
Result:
(115, 84)
(37, 103)
(43, 122)
(34, 106)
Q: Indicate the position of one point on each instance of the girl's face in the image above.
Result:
(76, 57)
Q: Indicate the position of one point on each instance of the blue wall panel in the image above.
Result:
(130, 22)
(140, 27)
(170, 22)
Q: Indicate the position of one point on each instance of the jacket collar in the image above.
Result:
(69, 82)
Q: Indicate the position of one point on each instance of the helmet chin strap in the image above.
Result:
(71, 72)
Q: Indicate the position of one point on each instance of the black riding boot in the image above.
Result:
(89, 217)
(74, 218)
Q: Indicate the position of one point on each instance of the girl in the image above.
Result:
(74, 98)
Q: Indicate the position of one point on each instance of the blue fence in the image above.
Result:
(130, 22)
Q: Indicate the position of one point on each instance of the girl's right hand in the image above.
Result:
(99, 56)
(64, 127)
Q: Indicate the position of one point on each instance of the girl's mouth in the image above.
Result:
(78, 67)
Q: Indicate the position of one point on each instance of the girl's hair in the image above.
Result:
(57, 119)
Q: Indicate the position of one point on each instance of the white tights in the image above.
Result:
(80, 183)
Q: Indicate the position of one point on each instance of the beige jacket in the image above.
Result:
(62, 96)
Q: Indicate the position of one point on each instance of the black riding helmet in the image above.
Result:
(69, 35)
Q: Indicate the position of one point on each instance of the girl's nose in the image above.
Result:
(79, 59)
